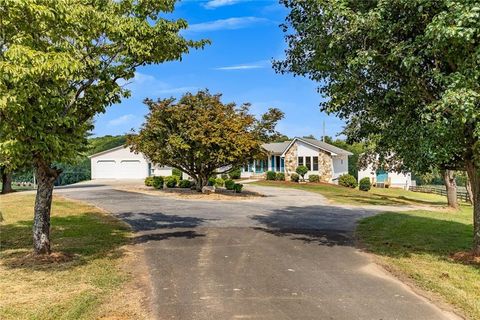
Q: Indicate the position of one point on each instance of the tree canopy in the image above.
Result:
(200, 135)
(404, 74)
(61, 63)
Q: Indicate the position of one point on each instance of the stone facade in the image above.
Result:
(290, 161)
(325, 165)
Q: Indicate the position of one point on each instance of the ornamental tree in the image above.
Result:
(200, 135)
(402, 73)
(61, 63)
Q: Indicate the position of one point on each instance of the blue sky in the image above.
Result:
(245, 38)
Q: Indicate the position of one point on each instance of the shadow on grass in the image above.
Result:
(401, 234)
(324, 225)
(77, 238)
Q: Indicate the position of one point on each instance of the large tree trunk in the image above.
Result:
(451, 187)
(468, 186)
(473, 172)
(46, 177)
(6, 182)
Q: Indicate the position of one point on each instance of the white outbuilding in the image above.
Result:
(381, 178)
(121, 163)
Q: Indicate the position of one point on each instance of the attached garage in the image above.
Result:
(121, 163)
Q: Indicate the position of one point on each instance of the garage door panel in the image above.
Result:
(132, 169)
(106, 169)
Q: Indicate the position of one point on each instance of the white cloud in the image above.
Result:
(212, 4)
(121, 120)
(146, 85)
(226, 24)
(246, 66)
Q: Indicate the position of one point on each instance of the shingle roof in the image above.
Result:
(327, 146)
(276, 147)
(279, 147)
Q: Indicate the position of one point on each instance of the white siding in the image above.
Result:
(397, 180)
(119, 164)
(340, 166)
(306, 150)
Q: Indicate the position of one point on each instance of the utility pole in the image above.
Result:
(323, 136)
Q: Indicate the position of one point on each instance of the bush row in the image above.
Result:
(172, 181)
(279, 176)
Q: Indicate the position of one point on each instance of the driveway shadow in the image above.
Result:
(325, 225)
(141, 221)
(190, 234)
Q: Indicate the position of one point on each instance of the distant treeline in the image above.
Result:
(80, 170)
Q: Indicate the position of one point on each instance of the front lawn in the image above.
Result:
(420, 244)
(81, 277)
(376, 196)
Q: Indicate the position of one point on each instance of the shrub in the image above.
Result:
(229, 183)
(185, 183)
(302, 171)
(365, 184)
(313, 178)
(171, 181)
(280, 176)
(149, 181)
(237, 187)
(271, 175)
(347, 180)
(176, 172)
(224, 176)
(295, 177)
(235, 173)
(157, 182)
(219, 182)
(211, 181)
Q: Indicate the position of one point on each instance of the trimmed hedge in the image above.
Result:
(149, 181)
(280, 176)
(176, 172)
(365, 184)
(314, 178)
(229, 184)
(347, 180)
(185, 184)
(219, 182)
(271, 175)
(157, 182)
(237, 187)
(171, 181)
(235, 173)
(295, 177)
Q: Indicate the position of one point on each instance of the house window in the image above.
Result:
(308, 163)
(315, 163)
(300, 161)
(277, 163)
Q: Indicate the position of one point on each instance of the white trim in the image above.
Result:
(106, 151)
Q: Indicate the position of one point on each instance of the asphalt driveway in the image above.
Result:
(289, 255)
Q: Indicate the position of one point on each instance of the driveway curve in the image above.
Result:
(288, 255)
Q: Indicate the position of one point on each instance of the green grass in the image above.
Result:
(375, 196)
(419, 244)
(84, 271)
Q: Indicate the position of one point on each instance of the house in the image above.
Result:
(321, 158)
(386, 179)
(121, 163)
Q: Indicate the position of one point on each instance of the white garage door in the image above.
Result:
(106, 169)
(131, 169)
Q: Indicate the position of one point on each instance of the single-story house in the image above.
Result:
(321, 158)
(121, 163)
(383, 178)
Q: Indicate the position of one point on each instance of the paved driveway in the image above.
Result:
(288, 255)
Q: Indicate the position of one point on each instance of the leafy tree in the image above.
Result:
(200, 135)
(302, 171)
(403, 73)
(63, 62)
